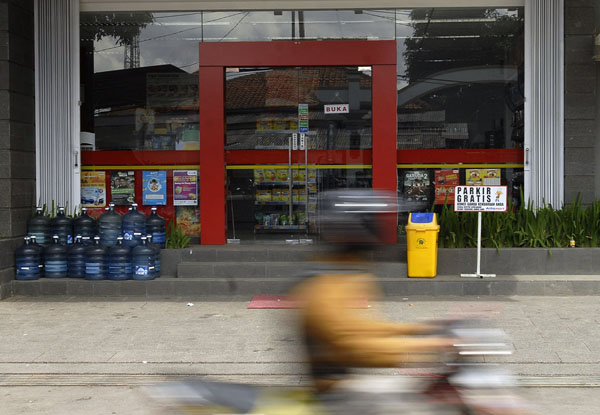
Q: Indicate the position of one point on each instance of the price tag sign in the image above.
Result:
(295, 141)
(302, 141)
(480, 198)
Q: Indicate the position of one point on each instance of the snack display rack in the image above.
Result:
(285, 195)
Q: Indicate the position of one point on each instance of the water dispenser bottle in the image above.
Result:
(143, 261)
(76, 256)
(85, 225)
(62, 226)
(156, 226)
(119, 261)
(28, 259)
(156, 248)
(41, 249)
(95, 261)
(39, 226)
(110, 226)
(134, 222)
(55, 259)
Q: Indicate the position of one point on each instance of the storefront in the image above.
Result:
(234, 122)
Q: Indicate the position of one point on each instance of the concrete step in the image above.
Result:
(247, 287)
(269, 253)
(270, 269)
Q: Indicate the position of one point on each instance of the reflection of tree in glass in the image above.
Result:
(445, 39)
(124, 27)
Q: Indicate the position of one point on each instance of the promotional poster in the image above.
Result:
(122, 187)
(445, 181)
(154, 187)
(478, 177)
(185, 188)
(93, 188)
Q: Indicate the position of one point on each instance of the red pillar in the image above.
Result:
(385, 175)
(212, 155)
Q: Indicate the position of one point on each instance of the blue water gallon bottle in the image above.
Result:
(156, 248)
(76, 256)
(119, 261)
(156, 226)
(27, 259)
(62, 226)
(134, 223)
(95, 261)
(85, 225)
(143, 261)
(110, 226)
(39, 226)
(55, 259)
(41, 249)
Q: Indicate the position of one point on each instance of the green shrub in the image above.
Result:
(176, 239)
(522, 226)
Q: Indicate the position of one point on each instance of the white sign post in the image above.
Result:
(479, 199)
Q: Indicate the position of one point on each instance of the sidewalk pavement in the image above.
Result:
(56, 351)
(222, 338)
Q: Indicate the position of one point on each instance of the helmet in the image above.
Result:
(349, 217)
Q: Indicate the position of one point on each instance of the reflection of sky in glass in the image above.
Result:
(173, 37)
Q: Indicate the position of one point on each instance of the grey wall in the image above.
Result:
(580, 101)
(17, 133)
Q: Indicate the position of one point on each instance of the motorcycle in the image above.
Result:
(462, 383)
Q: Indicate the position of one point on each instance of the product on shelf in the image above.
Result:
(276, 195)
(259, 176)
(282, 175)
(270, 175)
(264, 195)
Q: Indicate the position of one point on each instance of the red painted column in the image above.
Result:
(212, 155)
(385, 175)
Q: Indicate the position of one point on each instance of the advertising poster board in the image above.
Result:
(122, 187)
(185, 188)
(93, 188)
(417, 185)
(154, 187)
(188, 217)
(480, 199)
(478, 177)
(445, 181)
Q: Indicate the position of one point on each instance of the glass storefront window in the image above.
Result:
(299, 25)
(419, 189)
(460, 78)
(262, 107)
(459, 86)
(140, 83)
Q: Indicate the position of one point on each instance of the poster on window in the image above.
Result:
(185, 188)
(154, 187)
(416, 185)
(93, 188)
(188, 217)
(479, 177)
(122, 187)
(445, 181)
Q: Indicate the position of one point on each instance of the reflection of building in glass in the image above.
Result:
(262, 107)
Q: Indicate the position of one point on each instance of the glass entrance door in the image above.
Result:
(292, 133)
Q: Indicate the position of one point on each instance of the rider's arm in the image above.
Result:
(352, 339)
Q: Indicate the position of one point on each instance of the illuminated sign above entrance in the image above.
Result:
(337, 109)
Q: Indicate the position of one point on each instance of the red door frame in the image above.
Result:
(215, 57)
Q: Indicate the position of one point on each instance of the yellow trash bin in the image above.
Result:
(422, 240)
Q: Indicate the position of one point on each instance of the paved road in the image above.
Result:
(57, 352)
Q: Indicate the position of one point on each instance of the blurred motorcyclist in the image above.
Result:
(337, 337)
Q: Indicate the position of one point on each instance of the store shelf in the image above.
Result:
(282, 183)
(279, 227)
(278, 203)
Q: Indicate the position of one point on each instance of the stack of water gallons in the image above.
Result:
(115, 247)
